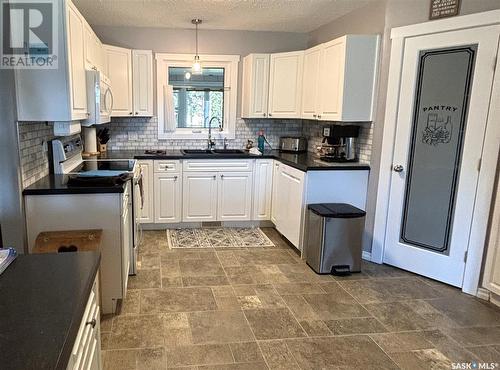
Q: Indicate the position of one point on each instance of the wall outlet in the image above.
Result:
(133, 136)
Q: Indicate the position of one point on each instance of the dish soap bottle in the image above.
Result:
(261, 140)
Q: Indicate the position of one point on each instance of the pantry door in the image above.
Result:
(443, 106)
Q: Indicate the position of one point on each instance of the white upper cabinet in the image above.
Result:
(142, 82)
(348, 70)
(255, 89)
(76, 61)
(119, 71)
(285, 85)
(94, 52)
(310, 81)
(57, 94)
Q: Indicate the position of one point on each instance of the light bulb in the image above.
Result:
(187, 76)
(196, 68)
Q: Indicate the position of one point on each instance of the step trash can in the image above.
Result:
(333, 238)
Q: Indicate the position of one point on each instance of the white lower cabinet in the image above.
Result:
(167, 197)
(146, 214)
(262, 190)
(199, 196)
(288, 198)
(86, 352)
(234, 196)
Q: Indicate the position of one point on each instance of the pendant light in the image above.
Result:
(196, 68)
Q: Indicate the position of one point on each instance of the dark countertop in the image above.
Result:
(42, 300)
(58, 184)
(301, 161)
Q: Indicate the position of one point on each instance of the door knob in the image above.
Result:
(398, 168)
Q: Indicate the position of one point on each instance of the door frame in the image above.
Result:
(490, 150)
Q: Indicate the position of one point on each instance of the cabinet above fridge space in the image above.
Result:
(334, 81)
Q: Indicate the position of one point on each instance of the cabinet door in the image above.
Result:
(76, 62)
(199, 196)
(147, 212)
(285, 85)
(93, 50)
(126, 231)
(255, 90)
(310, 82)
(332, 80)
(235, 196)
(119, 71)
(262, 190)
(142, 82)
(167, 195)
(290, 198)
(275, 193)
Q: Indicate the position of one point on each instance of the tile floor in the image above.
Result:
(262, 308)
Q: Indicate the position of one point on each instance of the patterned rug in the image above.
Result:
(218, 237)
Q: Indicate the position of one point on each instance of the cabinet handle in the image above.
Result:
(314, 115)
(166, 168)
(93, 323)
(270, 114)
(215, 177)
(130, 113)
(222, 177)
(136, 113)
(319, 115)
(175, 178)
(264, 114)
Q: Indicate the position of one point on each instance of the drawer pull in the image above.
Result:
(92, 322)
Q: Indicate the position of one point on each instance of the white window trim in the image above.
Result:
(230, 65)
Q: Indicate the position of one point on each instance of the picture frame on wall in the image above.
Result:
(444, 8)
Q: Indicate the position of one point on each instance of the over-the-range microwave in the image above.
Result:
(99, 98)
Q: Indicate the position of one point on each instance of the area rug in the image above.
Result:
(218, 237)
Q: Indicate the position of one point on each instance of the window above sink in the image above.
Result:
(188, 102)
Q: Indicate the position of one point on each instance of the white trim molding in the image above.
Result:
(491, 144)
(230, 65)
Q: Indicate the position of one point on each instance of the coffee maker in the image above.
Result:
(340, 143)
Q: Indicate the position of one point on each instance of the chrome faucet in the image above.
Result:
(210, 141)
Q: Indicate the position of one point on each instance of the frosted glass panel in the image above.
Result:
(442, 95)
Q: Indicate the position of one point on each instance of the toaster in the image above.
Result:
(293, 144)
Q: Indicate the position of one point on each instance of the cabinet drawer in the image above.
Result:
(167, 166)
(293, 172)
(218, 165)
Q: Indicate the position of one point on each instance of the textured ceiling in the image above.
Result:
(254, 15)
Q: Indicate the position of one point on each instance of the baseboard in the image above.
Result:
(366, 256)
(483, 294)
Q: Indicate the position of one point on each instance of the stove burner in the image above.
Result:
(158, 152)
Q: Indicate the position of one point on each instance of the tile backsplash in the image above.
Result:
(142, 133)
(34, 159)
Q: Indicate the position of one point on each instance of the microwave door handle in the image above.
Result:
(110, 109)
(112, 100)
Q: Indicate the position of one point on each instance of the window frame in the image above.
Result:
(230, 63)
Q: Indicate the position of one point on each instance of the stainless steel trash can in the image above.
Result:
(333, 238)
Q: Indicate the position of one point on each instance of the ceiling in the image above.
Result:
(254, 15)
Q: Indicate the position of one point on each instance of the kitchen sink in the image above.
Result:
(228, 151)
(196, 151)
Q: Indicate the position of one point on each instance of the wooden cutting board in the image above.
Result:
(66, 241)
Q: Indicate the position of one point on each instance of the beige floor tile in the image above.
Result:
(315, 328)
(335, 306)
(204, 354)
(145, 279)
(136, 331)
(300, 308)
(171, 282)
(204, 280)
(177, 300)
(131, 304)
(396, 316)
(433, 317)
(341, 352)
(422, 360)
(362, 325)
(198, 268)
(107, 321)
(449, 347)
(223, 291)
(460, 309)
(240, 366)
(402, 342)
(149, 261)
(277, 355)
(477, 336)
(298, 288)
(246, 352)
(212, 327)
(273, 324)
(488, 354)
